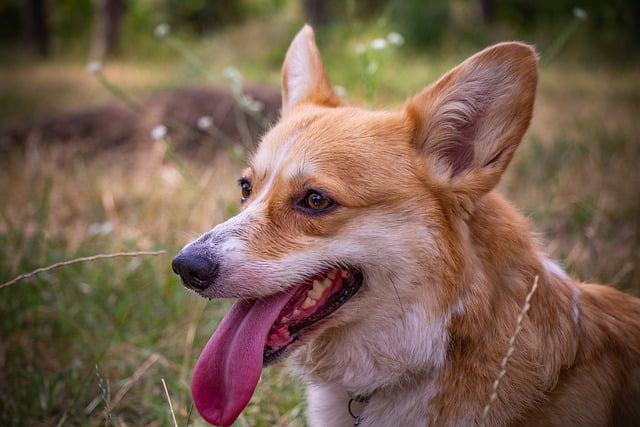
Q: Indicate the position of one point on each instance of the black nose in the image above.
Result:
(196, 270)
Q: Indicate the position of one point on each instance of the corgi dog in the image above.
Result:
(373, 251)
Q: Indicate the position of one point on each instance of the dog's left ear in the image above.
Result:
(469, 123)
(304, 78)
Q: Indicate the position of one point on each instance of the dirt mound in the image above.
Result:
(196, 117)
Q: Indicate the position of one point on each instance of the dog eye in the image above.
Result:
(245, 186)
(316, 201)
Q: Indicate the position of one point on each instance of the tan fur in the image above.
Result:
(447, 261)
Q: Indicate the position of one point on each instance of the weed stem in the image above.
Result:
(78, 260)
(173, 414)
(512, 346)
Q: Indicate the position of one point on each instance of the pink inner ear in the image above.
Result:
(459, 154)
(453, 130)
(304, 78)
(456, 146)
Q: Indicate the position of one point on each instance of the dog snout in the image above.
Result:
(196, 270)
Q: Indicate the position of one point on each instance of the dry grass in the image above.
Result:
(130, 317)
(575, 174)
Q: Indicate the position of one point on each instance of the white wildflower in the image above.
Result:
(159, 132)
(101, 228)
(204, 122)
(250, 104)
(340, 90)
(395, 38)
(162, 30)
(580, 13)
(378, 44)
(233, 74)
(94, 67)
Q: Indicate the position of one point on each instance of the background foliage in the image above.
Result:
(612, 29)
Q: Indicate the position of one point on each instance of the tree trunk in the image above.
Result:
(316, 12)
(35, 29)
(487, 10)
(107, 23)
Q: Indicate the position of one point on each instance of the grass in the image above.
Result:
(575, 173)
(129, 317)
(90, 343)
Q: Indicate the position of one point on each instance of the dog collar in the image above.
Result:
(357, 399)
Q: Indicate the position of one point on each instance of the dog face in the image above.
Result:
(320, 196)
(351, 220)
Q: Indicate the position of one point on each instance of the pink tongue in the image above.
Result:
(228, 369)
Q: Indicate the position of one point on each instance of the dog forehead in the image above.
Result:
(316, 138)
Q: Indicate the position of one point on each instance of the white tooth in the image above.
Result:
(317, 290)
(332, 275)
(309, 302)
(296, 314)
(284, 320)
(320, 286)
(314, 293)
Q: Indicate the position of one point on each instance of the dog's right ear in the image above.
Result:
(469, 123)
(304, 78)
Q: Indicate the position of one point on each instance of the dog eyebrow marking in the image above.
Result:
(272, 166)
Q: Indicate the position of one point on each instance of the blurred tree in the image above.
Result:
(71, 22)
(316, 12)
(323, 12)
(423, 23)
(613, 26)
(108, 15)
(487, 10)
(71, 27)
(11, 17)
(35, 27)
(201, 16)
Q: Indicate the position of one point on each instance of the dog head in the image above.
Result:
(351, 218)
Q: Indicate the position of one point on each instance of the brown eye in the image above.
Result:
(245, 187)
(316, 201)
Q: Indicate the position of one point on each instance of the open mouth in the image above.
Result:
(311, 303)
(259, 332)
